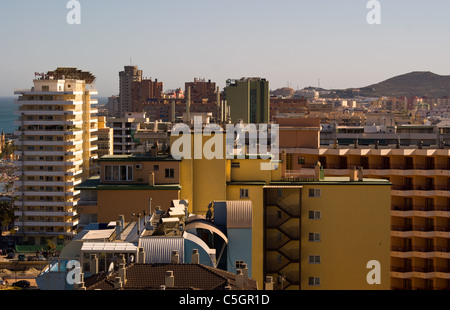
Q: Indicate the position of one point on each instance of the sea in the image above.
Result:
(7, 116)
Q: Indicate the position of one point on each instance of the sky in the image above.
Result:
(296, 43)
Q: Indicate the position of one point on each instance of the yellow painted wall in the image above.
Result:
(354, 228)
(250, 170)
(202, 180)
(256, 196)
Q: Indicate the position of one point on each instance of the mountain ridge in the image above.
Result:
(415, 83)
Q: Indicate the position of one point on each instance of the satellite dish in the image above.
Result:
(110, 269)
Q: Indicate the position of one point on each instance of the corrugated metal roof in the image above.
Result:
(159, 249)
(239, 214)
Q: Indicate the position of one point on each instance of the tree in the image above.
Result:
(9, 149)
(6, 213)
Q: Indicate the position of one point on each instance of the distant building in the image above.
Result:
(248, 100)
(145, 91)
(124, 129)
(129, 75)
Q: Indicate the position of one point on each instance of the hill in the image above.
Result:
(418, 83)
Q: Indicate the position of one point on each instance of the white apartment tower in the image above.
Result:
(57, 134)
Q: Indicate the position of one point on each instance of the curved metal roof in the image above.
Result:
(206, 225)
(239, 214)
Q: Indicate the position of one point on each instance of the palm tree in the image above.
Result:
(9, 149)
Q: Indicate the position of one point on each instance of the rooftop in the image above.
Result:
(152, 276)
(137, 157)
(94, 183)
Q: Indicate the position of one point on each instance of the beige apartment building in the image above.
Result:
(57, 134)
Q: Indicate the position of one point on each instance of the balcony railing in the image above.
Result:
(420, 269)
(424, 228)
(421, 188)
(421, 208)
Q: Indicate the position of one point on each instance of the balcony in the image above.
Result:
(45, 213)
(420, 190)
(47, 223)
(420, 272)
(420, 231)
(421, 210)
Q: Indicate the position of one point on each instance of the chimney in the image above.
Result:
(118, 229)
(239, 279)
(269, 283)
(93, 264)
(353, 174)
(169, 279)
(122, 273)
(151, 179)
(317, 171)
(141, 256)
(121, 260)
(195, 257)
(138, 223)
(80, 286)
(188, 106)
(360, 174)
(245, 273)
(122, 220)
(175, 258)
(172, 111)
(117, 283)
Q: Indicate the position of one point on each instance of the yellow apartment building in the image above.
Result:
(350, 230)
(125, 186)
(420, 203)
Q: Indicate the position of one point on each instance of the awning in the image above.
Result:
(111, 247)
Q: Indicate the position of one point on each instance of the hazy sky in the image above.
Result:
(285, 41)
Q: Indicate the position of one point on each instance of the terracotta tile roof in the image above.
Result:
(152, 276)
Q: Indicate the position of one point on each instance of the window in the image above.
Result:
(170, 173)
(118, 173)
(314, 192)
(301, 160)
(313, 281)
(314, 259)
(235, 165)
(314, 237)
(244, 193)
(314, 215)
(155, 167)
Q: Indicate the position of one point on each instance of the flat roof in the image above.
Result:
(94, 183)
(137, 157)
(336, 181)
